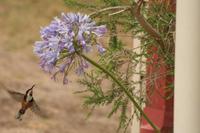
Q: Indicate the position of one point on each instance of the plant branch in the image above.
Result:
(135, 11)
(123, 88)
(118, 12)
(108, 9)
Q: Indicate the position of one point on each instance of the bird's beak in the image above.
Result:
(30, 91)
(32, 86)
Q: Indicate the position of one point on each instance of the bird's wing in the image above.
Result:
(36, 109)
(16, 95)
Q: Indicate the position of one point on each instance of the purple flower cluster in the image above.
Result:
(64, 36)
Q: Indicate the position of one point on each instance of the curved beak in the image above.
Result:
(30, 90)
(32, 86)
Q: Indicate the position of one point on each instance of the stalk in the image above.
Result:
(124, 89)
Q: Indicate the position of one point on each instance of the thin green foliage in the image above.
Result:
(122, 61)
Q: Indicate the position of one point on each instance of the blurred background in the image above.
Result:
(20, 22)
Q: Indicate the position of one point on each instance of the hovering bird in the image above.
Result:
(27, 101)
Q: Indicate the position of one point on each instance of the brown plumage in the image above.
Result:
(27, 101)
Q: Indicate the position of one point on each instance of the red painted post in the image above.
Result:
(159, 109)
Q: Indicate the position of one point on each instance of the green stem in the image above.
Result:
(124, 89)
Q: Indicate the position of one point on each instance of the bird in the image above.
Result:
(27, 102)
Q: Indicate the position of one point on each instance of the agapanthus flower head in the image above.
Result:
(63, 37)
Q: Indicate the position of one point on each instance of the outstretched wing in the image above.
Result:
(16, 95)
(36, 109)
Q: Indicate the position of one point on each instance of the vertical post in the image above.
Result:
(187, 67)
(135, 128)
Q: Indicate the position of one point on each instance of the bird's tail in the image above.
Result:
(18, 116)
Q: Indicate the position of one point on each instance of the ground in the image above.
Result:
(20, 23)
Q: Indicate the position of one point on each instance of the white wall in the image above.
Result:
(187, 67)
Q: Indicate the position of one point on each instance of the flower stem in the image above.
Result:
(124, 89)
